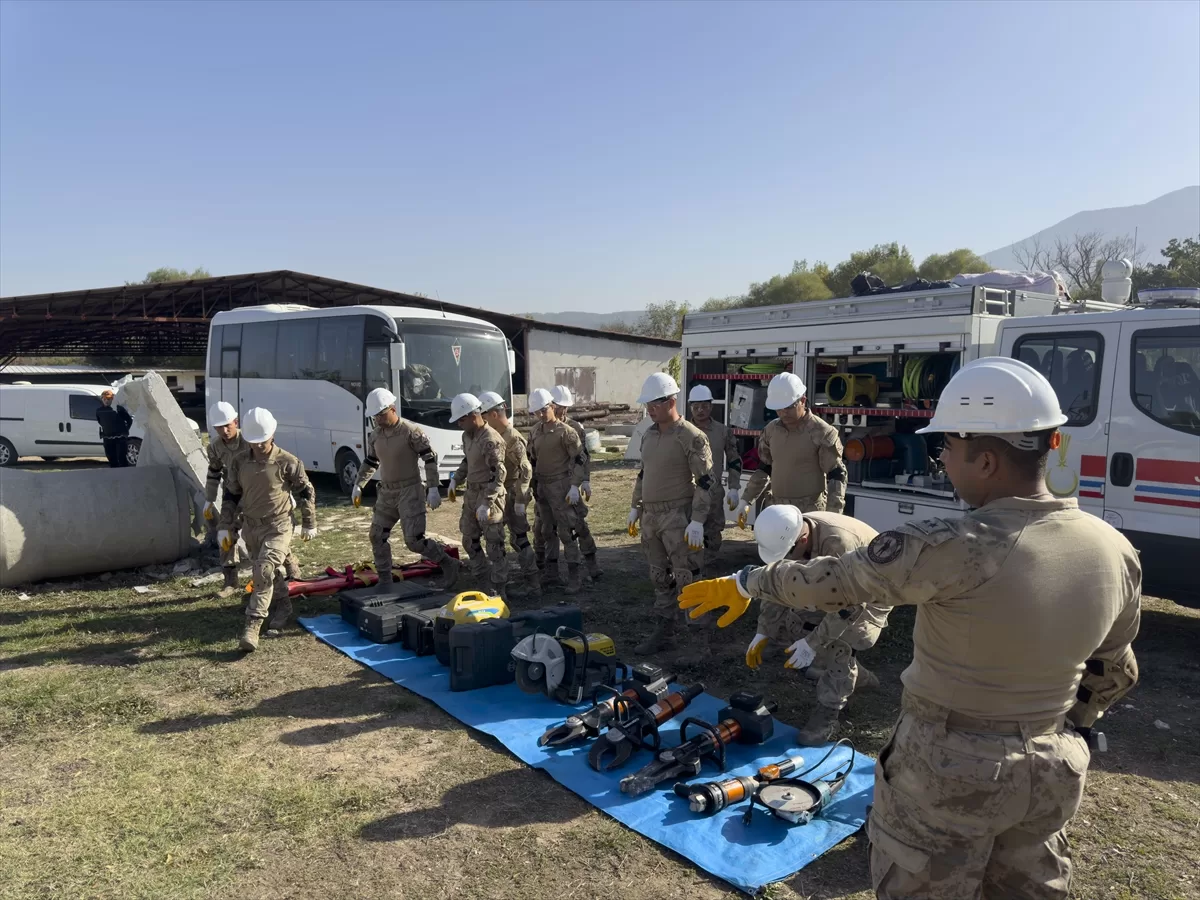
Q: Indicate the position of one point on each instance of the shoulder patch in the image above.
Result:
(885, 548)
(932, 531)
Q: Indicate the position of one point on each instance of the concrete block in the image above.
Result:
(89, 521)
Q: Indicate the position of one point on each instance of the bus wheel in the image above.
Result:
(346, 466)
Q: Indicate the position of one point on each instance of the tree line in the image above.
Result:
(1077, 260)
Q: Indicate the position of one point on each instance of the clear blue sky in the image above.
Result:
(538, 157)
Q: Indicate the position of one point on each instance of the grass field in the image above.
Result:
(142, 756)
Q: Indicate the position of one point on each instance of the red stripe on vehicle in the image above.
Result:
(1092, 466)
(1167, 501)
(1170, 471)
(1095, 494)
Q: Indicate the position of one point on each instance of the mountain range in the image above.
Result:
(1173, 215)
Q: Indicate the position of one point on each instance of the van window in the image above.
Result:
(214, 351)
(258, 349)
(83, 406)
(1163, 381)
(1071, 363)
(296, 351)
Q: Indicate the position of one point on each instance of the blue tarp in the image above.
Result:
(747, 857)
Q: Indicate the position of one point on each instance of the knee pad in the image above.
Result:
(682, 577)
(378, 533)
(661, 578)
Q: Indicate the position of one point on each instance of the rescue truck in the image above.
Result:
(875, 367)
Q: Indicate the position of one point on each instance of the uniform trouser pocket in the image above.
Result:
(898, 869)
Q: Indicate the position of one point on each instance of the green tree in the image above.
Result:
(166, 273)
(1182, 268)
(944, 266)
(662, 320)
(891, 262)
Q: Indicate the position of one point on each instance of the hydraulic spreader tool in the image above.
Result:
(746, 720)
(647, 684)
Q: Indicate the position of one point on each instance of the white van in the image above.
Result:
(55, 420)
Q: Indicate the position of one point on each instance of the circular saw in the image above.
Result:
(568, 667)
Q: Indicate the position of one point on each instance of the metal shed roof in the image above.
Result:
(171, 318)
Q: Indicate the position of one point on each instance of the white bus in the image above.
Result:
(313, 368)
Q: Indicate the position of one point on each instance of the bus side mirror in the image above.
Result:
(512, 362)
(398, 357)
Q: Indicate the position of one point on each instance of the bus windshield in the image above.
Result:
(444, 360)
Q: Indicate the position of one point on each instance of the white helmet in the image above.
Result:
(700, 394)
(777, 528)
(221, 413)
(489, 400)
(998, 396)
(539, 399)
(561, 395)
(784, 390)
(379, 400)
(258, 426)
(462, 405)
(658, 385)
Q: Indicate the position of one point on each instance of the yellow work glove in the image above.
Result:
(731, 499)
(573, 495)
(755, 651)
(802, 655)
(726, 593)
(308, 532)
(742, 514)
(586, 490)
(632, 526)
(356, 496)
(210, 511)
(694, 535)
(451, 493)
(225, 539)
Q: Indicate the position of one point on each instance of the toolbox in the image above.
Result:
(382, 624)
(360, 598)
(416, 631)
(480, 654)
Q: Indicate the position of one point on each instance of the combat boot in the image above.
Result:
(384, 585)
(280, 612)
(820, 728)
(574, 579)
(657, 639)
(696, 650)
(231, 582)
(593, 567)
(451, 569)
(552, 575)
(249, 639)
(539, 560)
(867, 680)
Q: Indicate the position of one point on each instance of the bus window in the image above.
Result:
(214, 352)
(444, 361)
(340, 352)
(258, 349)
(379, 367)
(296, 349)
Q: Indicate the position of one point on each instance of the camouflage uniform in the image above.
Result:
(802, 465)
(836, 637)
(672, 490)
(397, 451)
(722, 443)
(481, 474)
(558, 461)
(1026, 610)
(260, 493)
(545, 543)
(220, 455)
(517, 491)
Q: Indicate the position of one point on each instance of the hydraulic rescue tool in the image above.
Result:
(713, 796)
(746, 720)
(647, 684)
(798, 801)
(569, 666)
(631, 724)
